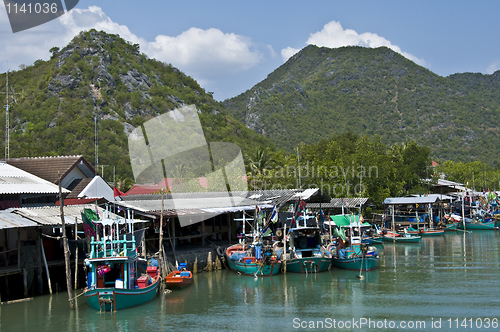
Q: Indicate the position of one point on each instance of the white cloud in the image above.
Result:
(493, 67)
(206, 55)
(288, 52)
(333, 36)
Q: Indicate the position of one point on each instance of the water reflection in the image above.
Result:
(452, 276)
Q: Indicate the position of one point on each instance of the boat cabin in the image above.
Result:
(113, 259)
(305, 240)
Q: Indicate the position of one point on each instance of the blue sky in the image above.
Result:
(229, 46)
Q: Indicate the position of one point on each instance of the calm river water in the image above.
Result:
(445, 283)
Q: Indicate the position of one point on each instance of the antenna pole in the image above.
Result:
(7, 135)
(7, 107)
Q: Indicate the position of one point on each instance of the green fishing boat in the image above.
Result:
(348, 251)
(114, 282)
(252, 260)
(305, 253)
(477, 225)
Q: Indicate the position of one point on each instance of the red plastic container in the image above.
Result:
(152, 271)
(142, 282)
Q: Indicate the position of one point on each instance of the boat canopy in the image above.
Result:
(344, 220)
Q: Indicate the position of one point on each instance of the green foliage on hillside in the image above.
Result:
(101, 77)
(320, 92)
(347, 165)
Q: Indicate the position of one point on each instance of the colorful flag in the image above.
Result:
(88, 216)
(274, 215)
(117, 192)
(267, 231)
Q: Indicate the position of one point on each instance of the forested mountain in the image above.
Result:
(99, 77)
(320, 92)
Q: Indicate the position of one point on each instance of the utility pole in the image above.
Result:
(298, 163)
(7, 108)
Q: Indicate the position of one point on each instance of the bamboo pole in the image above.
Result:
(66, 249)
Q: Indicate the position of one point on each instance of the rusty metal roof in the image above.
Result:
(12, 220)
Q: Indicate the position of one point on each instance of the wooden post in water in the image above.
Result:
(76, 253)
(39, 243)
(161, 263)
(66, 249)
(46, 268)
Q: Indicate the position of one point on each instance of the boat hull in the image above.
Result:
(356, 263)
(372, 240)
(176, 280)
(451, 226)
(477, 226)
(112, 299)
(254, 268)
(403, 239)
(432, 232)
(308, 264)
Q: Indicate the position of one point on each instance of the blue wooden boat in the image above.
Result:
(114, 282)
(250, 260)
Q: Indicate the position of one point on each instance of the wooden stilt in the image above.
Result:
(162, 262)
(144, 246)
(66, 249)
(76, 254)
(46, 268)
(39, 264)
(209, 262)
(25, 282)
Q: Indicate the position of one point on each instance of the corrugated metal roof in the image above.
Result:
(16, 181)
(186, 203)
(411, 200)
(12, 220)
(50, 215)
(339, 202)
(274, 197)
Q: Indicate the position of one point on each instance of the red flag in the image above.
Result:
(117, 192)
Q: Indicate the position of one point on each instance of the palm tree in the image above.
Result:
(260, 161)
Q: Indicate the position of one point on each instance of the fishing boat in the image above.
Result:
(348, 251)
(255, 259)
(180, 278)
(114, 281)
(424, 232)
(452, 222)
(401, 238)
(254, 254)
(305, 252)
(476, 225)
